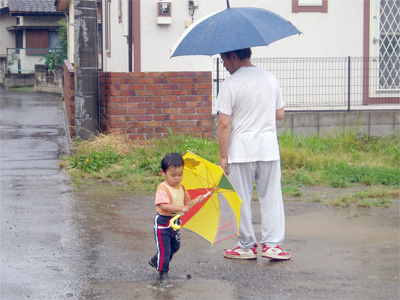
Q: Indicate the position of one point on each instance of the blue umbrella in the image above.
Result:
(231, 29)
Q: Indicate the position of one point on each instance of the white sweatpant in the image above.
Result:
(267, 175)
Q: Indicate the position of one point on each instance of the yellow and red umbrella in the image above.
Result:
(217, 218)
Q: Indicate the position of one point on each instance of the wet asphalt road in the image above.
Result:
(61, 242)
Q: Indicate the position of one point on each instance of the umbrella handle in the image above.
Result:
(173, 224)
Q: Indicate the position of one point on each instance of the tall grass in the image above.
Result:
(337, 161)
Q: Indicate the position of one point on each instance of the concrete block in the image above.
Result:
(331, 118)
(381, 130)
(357, 118)
(382, 117)
(305, 119)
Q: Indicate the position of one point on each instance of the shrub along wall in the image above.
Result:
(144, 105)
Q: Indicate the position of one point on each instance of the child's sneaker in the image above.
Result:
(163, 281)
(239, 253)
(274, 253)
(153, 261)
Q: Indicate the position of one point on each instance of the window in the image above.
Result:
(389, 44)
(37, 39)
(310, 6)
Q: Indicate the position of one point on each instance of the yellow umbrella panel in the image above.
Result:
(218, 217)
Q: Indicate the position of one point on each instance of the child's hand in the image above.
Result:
(185, 209)
(200, 198)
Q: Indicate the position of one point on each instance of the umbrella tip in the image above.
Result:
(227, 4)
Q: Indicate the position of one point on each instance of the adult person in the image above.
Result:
(249, 103)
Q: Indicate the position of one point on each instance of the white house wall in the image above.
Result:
(338, 33)
(117, 59)
(7, 38)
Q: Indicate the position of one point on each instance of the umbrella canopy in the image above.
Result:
(216, 218)
(232, 29)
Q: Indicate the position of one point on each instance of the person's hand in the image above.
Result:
(185, 209)
(223, 162)
(200, 198)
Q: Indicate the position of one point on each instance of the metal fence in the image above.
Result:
(343, 83)
(23, 60)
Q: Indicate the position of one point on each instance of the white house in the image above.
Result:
(138, 35)
(27, 29)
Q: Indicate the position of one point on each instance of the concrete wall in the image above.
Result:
(377, 123)
(374, 123)
(49, 82)
(16, 80)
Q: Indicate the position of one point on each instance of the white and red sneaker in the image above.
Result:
(274, 253)
(239, 253)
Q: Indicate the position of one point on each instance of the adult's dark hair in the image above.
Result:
(240, 53)
(171, 160)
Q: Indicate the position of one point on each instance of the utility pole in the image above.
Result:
(86, 69)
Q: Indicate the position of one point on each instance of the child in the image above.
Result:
(171, 198)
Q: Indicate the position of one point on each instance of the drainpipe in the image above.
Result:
(86, 69)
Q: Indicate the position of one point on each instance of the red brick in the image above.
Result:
(153, 87)
(127, 118)
(127, 93)
(187, 74)
(170, 99)
(153, 111)
(160, 117)
(117, 111)
(203, 86)
(153, 99)
(117, 74)
(171, 111)
(128, 105)
(161, 80)
(162, 93)
(145, 105)
(136, 74)
(187, 110)
(179, 80)
(145, 80)
(135, 99)
(136, 87)
(144, 118)
(153, 74)
(145, 93)
(171, 74)
(136, 112)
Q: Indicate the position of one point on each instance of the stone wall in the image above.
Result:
(49, 82)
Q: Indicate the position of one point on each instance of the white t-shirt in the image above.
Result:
(251, 97)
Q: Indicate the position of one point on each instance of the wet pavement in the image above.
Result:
(93, 242)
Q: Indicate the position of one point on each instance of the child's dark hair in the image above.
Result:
(171, 160)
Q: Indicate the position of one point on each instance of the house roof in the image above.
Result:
(23, 7)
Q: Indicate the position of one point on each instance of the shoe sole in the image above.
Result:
(276, 257)
(239, 257)
(165, 286)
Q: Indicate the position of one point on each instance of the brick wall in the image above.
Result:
(146, 105)
(69, 95)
